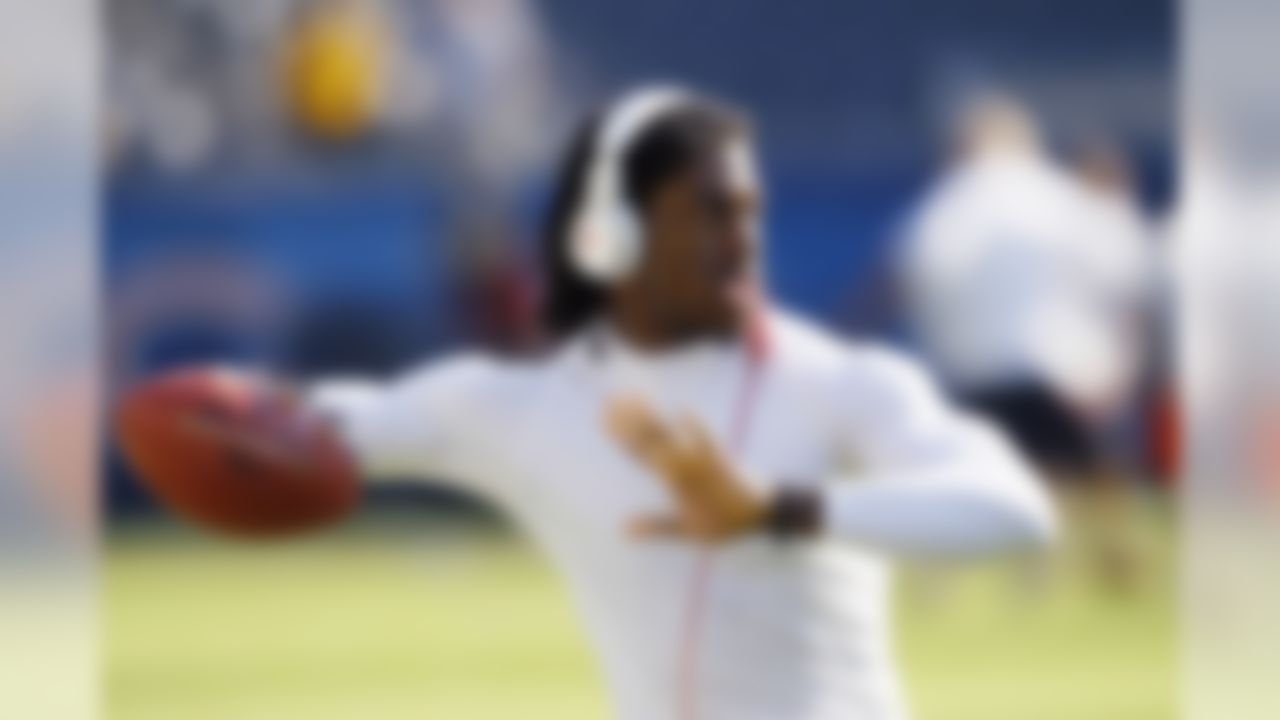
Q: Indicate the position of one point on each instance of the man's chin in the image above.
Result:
(731, 323)
(725, 325)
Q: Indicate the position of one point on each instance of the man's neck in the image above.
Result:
(639, 327)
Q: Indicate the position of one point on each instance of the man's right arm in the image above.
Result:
(423, 425)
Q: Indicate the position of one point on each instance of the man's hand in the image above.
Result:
(714, 501)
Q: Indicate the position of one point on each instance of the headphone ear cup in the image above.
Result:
(605, 246)
(629, 243)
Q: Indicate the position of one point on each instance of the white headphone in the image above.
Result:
(606, 236)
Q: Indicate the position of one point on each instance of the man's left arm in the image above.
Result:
(936, 483)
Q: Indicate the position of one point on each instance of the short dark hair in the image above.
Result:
(670, 145)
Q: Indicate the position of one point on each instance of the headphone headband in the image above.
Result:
(605, 240)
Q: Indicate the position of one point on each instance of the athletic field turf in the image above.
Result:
(390, 618)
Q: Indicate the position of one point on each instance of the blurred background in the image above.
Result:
(322, 186)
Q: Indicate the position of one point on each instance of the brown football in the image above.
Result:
(233, 452)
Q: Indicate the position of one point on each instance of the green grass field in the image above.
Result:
(383, 621)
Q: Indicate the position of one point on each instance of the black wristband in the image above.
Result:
(794, 512)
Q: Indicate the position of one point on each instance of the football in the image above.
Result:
(236, 453)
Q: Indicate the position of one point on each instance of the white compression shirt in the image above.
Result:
(787, 630)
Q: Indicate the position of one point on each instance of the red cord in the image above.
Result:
(703, 569)
(691, 633)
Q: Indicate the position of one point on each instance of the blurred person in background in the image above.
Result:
(1118, 259)
(1025, 282)
(1022, 284)
(1124, 401)
(720, 481)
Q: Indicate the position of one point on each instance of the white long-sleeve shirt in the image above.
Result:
(785, 630)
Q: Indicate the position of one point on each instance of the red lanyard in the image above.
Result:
(704, 565)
